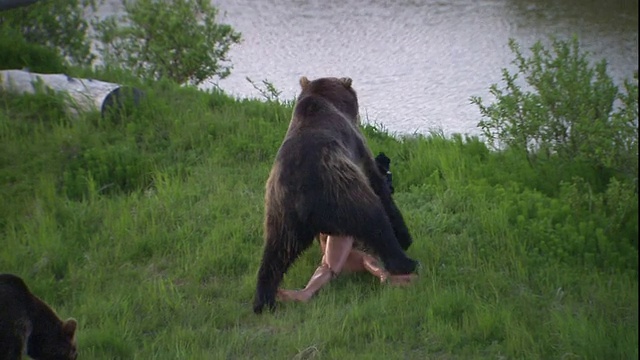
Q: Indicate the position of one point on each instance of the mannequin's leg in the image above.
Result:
(335, 255)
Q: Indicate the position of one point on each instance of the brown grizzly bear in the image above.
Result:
(325, 180)
(27, 324)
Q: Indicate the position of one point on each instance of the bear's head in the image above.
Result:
(337, 91)
(55, 342)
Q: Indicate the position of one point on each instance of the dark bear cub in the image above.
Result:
(27, 324)
(325, 180)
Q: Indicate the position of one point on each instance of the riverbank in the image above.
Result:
(147, 228)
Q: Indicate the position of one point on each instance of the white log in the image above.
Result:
(85, 95)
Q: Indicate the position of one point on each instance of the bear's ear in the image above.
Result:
(69, 327)
(304, 82)
(346, 82)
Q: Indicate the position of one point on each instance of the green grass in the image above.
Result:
(148, 230)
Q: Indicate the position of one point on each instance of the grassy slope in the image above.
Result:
(165, 267)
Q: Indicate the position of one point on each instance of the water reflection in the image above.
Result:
(415, 63)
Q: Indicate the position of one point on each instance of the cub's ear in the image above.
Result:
(69, 327)
(346, 81)
(304, 82)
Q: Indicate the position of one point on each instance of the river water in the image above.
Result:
(415, 63)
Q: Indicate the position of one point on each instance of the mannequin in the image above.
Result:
(338, 256)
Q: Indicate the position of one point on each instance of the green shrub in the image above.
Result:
(579, 227)
(59, 25)
(175, 39)
(567, 109)
(17, 53)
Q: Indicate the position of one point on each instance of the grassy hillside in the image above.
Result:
(147, 228)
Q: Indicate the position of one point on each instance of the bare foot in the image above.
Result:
(293, 295)
(401, 280)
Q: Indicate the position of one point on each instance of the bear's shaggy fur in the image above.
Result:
(29, 324)
(325, 180)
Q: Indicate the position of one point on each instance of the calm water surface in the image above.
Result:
(414, 63)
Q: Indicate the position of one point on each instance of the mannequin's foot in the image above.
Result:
(293, 295)
(401, 280)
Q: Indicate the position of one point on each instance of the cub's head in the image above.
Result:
(338, 91)
(54, 342)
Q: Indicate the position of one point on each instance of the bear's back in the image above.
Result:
(14, 295)
(15, 323)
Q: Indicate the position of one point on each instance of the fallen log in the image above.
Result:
(84, 95)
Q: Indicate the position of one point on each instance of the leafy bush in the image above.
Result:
(17, 53)
(59, 25)
(579, 227)
(573, 110)
(175, 39)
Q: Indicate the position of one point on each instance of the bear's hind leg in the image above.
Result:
(376, 231)
(284, 242)
(352, 207)
(395, 260)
